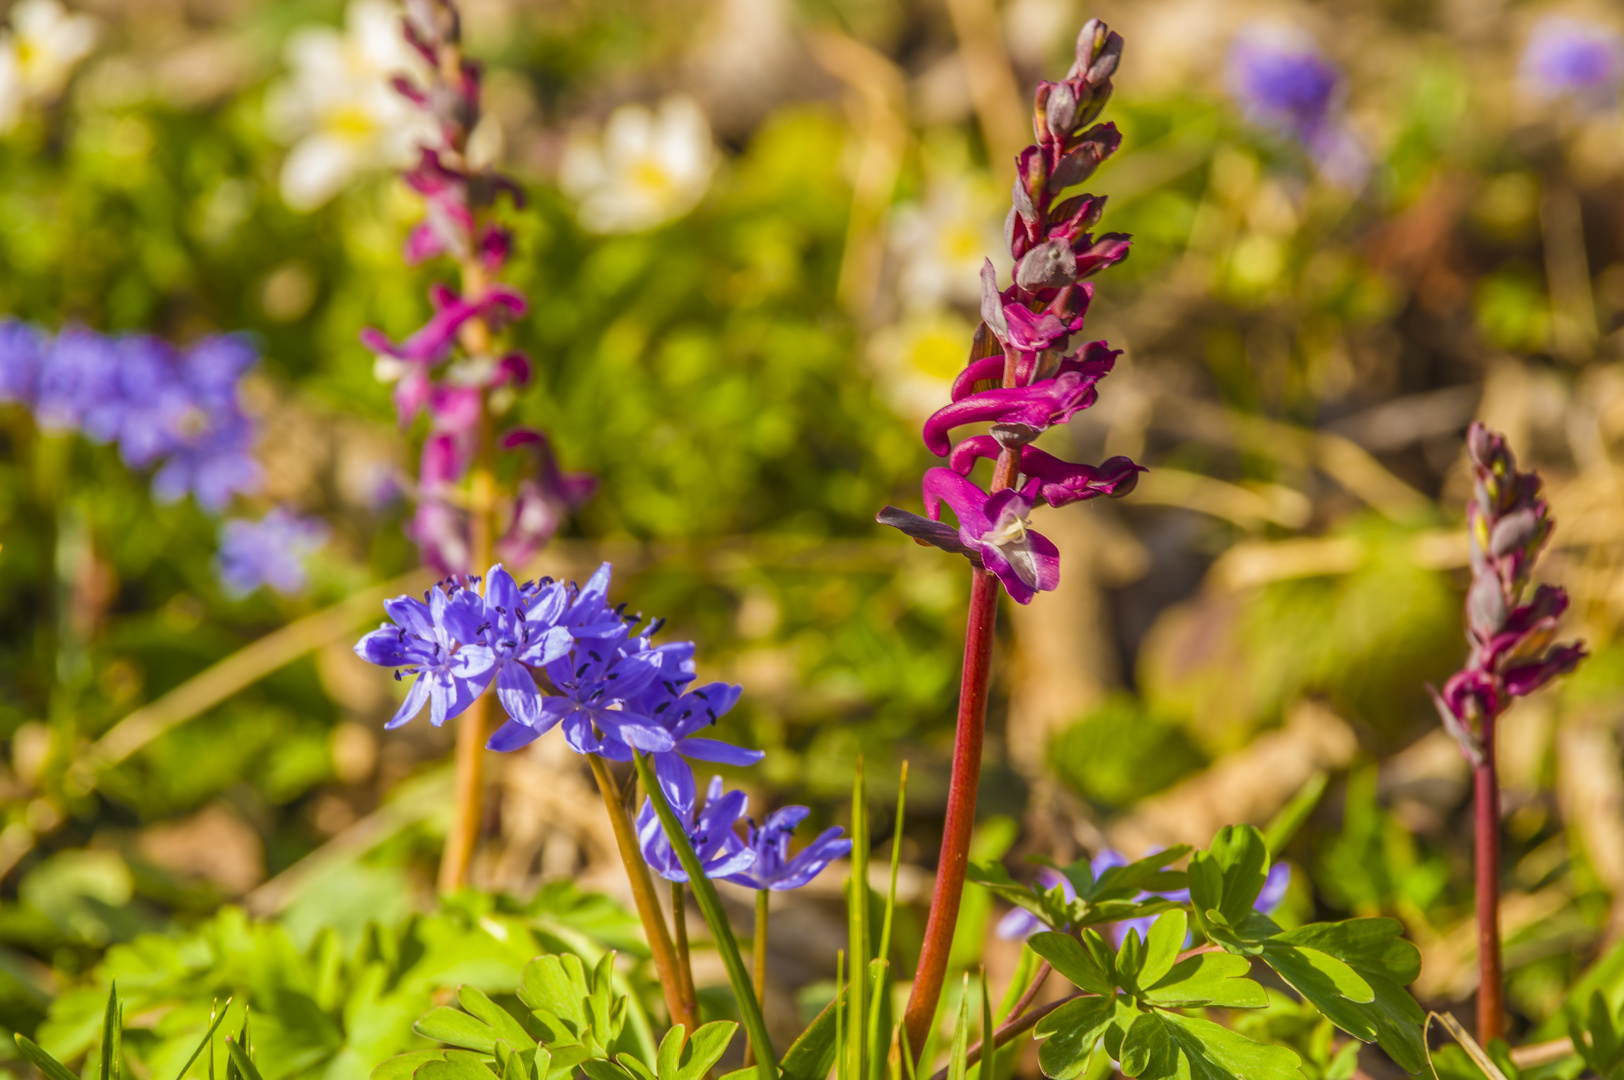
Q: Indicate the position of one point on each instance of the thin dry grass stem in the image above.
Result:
(878, 105)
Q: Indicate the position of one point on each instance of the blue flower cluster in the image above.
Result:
(271, 551)
(178, 411)
(615, 692)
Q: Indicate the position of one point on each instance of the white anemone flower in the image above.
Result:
(647, 168)
(338, 108)
(38, 53)
(939, 244)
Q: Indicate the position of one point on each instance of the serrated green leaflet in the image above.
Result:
(456, 1065)
(1070, 1033)
(1243, 860)
(456, 1028)
(1067, 956)
(1167, 1046)
(1216, 979)
(500, 1020)
(1385, 962)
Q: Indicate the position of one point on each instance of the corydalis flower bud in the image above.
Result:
(1512, 650)
(1025, 374)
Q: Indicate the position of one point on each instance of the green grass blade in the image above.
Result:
(1292, 816)
(857, 925)
(1025, 968)
(958, 1059)
(988, 1050)
(884, 952)
(878, 1031)
(240, 1058)
(710, 906)
(48, 1066)
(208, 1036)
(112, 1029)
(841, 1064)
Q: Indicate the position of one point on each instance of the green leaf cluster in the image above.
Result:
(575, 1021)
(1117, 894)
(1354, 972)
(1136, 999)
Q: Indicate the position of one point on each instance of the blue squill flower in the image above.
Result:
(521, 635)
(773, 868)
(441, 642)
(714, 835)
(271, 551)
(595, 681)
(78, 372)
(1572, 58)
(22, 351)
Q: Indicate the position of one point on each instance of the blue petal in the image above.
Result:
(677, 781)
(512, 736)
(461, 616)
(715, 750)
(547, 647)
(634, 730)
(415, 698)
(504, 606)
(516, 690)
(411, 614)
(477, 663)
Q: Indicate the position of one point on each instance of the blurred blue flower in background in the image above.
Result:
(1572, 58)
(272, 551)
(182, 412)
(1283, 82)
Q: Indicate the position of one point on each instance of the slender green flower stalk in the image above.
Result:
(710, 906)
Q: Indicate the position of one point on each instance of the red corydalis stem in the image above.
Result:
(1491, 1007)
(961, 812)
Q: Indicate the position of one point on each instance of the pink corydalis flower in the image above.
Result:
(1028, 372)
(1513, 643)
